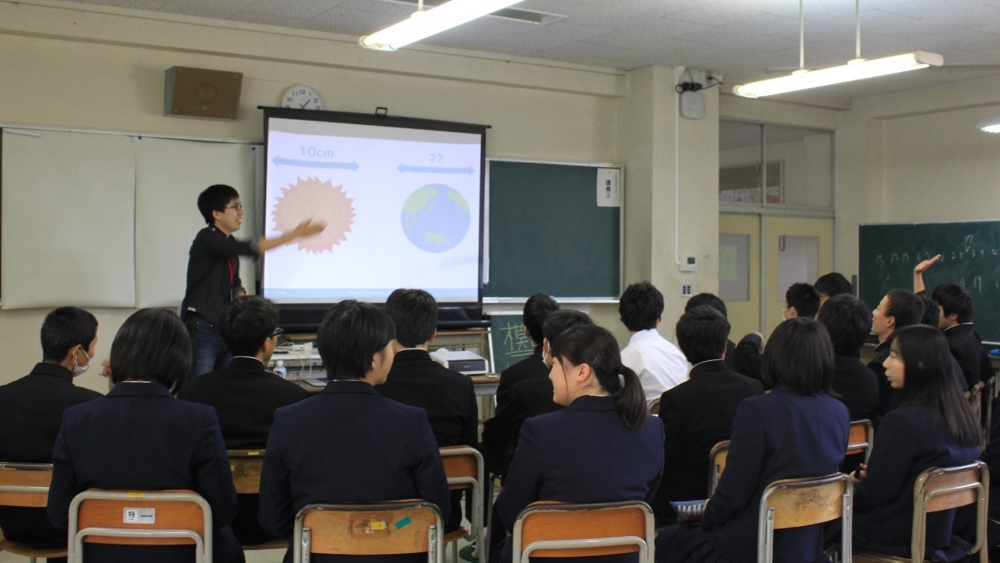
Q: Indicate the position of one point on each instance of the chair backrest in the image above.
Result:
(25, 485)
(389, 528)
(465, 469)
(717, 464)
(547, 529)
(246, 466)
(861, 438)
(991, 391)
(792, 503)
(945, 488)
(180, 517)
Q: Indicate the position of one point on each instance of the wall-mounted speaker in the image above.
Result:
(200, 92)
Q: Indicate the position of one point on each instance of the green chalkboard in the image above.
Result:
(970, 256)
(547, 234)
(510, 345)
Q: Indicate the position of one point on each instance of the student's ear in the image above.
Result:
(891, 322)
(658, 322)
(585, 372)
(527, 333)
(433, 336)
(793, 313)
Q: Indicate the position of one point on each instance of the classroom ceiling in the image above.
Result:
(741, 39)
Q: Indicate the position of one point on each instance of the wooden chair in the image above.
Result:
(792, 503)
(464, 468)
(149, 518)
(937, 489)
(548, 529)
(654, 406)
(26, 485)
(717, 464)
(991, 391)
(389, 528)
(246, 466)
(861, 438)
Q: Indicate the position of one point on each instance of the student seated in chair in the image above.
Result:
(832, 285)
(897, 309)
(603, 447)
(536, 309)
(714, 302)
(698, 413)
(801, 300)
(348, 444)
(415, 379)
(657, 362)
(849, 321)
(933, 426)
(140, 438)
(31, 411)
(796, 430)
(244, 394)
(955, 321)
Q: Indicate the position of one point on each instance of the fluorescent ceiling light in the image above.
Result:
(426, 23)
(858, 69)
(990, 127)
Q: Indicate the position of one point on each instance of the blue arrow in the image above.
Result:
(278, 161)
(434, 169)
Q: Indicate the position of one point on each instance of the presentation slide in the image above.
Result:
(402, 208)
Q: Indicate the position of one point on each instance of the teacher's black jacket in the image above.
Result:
(210, 282)
(31, 411)
(348, 445)
(140, 438)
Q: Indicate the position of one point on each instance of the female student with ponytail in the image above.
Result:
(603, 447)
(797, 430)
(933, 426)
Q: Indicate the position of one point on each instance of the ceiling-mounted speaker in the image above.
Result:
(199, 92)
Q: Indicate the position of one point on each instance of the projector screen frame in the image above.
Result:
(305, 318)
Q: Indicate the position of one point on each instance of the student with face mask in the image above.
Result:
(31, 410)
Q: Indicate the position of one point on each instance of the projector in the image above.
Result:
(461, 361)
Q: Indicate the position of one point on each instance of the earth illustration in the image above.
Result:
(435, 218)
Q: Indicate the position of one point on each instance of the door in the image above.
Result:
(796, 249)
(739, 271)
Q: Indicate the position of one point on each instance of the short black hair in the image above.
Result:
(848, 320)
(350, 336)
(702, 334)
(640, 306)
(833, 284)
(804, 298)
(414, 312)
(64, 328)
(954, 299)
(215, 198)
(799, 355)
(246, 323)
(709, 299)
(905, 307)
(536, 309)
(152, 345)
(932, 311)
(562, 320)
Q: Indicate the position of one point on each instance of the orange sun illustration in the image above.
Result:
(321, 201)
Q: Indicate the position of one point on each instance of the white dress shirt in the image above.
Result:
(659, 364)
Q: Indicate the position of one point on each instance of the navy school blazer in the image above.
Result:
(348, 445)
(911, 439)
(583, 453)
(781, 435)
(139, 437)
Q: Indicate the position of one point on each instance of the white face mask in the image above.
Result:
(79, 370)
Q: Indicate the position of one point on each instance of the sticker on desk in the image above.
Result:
(139, 516)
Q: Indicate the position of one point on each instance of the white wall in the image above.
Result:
(82, 66)
(917, 156)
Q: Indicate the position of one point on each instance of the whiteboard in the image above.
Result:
(67, 220)
(169, 176)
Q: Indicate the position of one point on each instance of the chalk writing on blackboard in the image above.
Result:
(515, 342)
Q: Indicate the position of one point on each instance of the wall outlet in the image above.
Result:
(687, 290)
